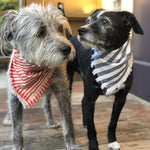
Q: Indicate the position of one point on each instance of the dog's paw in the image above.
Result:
(14, 148)
(114, 146)
(73, 147)
(7, 122)
(54, 125)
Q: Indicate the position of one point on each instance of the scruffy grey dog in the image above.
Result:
(38, 35)
(46, 105)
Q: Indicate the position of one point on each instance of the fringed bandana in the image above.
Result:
(111, 69)
(28, 81)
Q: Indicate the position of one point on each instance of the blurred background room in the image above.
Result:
(77, 12)
(134, 123)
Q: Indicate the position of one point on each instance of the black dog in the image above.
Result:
(106, 31)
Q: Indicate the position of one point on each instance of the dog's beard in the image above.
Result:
(53, 59)
(90, 42)
(85, 42)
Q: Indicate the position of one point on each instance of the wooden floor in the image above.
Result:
(133, 130)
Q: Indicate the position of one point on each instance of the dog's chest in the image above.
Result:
(111, 70)
(28, 81)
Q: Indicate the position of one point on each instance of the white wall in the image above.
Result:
(126, 5)
(108, 4)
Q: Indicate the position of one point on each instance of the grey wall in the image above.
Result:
(141, 46)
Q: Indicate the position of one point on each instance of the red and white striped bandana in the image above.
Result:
(28, 81)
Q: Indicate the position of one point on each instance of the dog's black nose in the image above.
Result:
(82, 30)
(65, 49)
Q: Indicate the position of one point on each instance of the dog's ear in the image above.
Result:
(131, 22)
(68, 31)
(60, 6)
(8, 26)
(7, 31)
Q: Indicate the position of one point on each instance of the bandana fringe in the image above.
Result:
(112, 69)
(28, 81)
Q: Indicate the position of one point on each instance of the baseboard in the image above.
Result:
(138, 99)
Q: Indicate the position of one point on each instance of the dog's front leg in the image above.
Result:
(16, 112)
(120, 99)
(88, 108)
(68, 129)
(119, 102)
(48, 113)
(64, 100)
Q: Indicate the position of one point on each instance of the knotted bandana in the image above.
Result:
(28, 81)
(111, 69)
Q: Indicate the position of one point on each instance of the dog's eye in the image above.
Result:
(88, 21)
(60, 29)
(42, 32)
(105, 22)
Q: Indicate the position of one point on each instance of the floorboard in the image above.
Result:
(133, 132)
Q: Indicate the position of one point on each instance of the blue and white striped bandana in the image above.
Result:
(111, 69)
